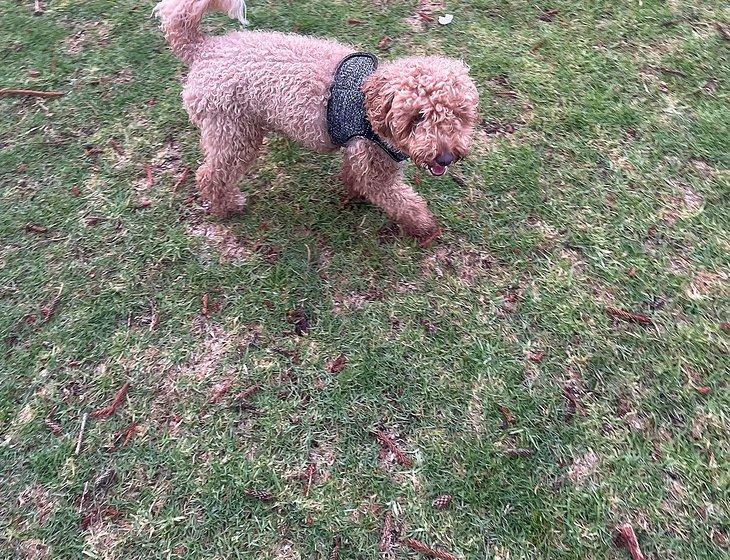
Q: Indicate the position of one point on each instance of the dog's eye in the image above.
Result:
(417, 118)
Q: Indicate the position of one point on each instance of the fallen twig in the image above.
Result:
(307, 476)
(182, 179)
(386, 536)
(519, 452)
(548, 15)
(205, 300)
(116, 146)
(507, 415)
(35, 228)
(30, 92)
(387, 441)
(628, 316)
(459, 180)
(247, 392)
(423, 548)
(671, 71)
(574, 404)
(336, 545)
(107, 411)
(262, 495)
(55, 427)
(506, 93)
(127, 433)
(83, 496)
(220, 389)
(84, 418)
(49, 309)
(628, 539)
(724, 31)
(148, 172)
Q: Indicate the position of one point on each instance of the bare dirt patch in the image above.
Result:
(211, 351)
(687, 203)
(93, 34)
(705, 283)
(103, 540)
(583, 467)
(426, 13)
(41, 500)
(466, 264)
(221, 238)
(33, 549)
(475, 410)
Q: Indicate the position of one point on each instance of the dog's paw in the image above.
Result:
(425, 231)
(232, 205)
(237, 203)
(430, 238)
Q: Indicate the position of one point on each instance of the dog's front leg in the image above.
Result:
(368, 171)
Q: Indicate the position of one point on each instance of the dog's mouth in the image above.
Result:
(436, 169)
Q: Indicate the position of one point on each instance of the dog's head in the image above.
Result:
(424, 106)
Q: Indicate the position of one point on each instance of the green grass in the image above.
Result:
(611, 191)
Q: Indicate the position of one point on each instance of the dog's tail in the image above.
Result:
(180, 21)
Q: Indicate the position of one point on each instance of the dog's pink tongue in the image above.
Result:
(437, 169)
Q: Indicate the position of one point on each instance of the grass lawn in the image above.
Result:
(491, 360)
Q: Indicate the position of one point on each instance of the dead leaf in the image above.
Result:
(338, 364)
(35, 228)
(298, 317)
(548, 15)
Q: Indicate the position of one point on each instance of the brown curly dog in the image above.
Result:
(246, 84)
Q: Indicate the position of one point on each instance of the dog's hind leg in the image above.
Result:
(230, 147)
(367, 171)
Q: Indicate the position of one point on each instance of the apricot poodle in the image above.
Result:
(323, 94)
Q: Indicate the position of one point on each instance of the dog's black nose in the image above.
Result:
(447, 158)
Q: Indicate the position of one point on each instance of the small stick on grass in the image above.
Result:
(83, 496)
(55, 427)
(107, 411)
(221, 389)
(459, 180)
(48, 310)
(519, 452)
(671, 71)
(127, 433)
(724, 31)
(423, 548)
(629, 540)
(30, 92)
(507, 415)
(628, 316)
(388, 442)
(84, 418)
(247, 392)
(262, 495)
(336, 545)
(148, 172)
(35, 228)
(308, 477)
(182, 179)
(386, 536)
(205, 307)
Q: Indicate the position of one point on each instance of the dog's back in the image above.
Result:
(280, 81)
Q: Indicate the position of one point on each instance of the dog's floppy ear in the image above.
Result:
(378, 101)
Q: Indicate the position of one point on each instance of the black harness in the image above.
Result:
(346, 116)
